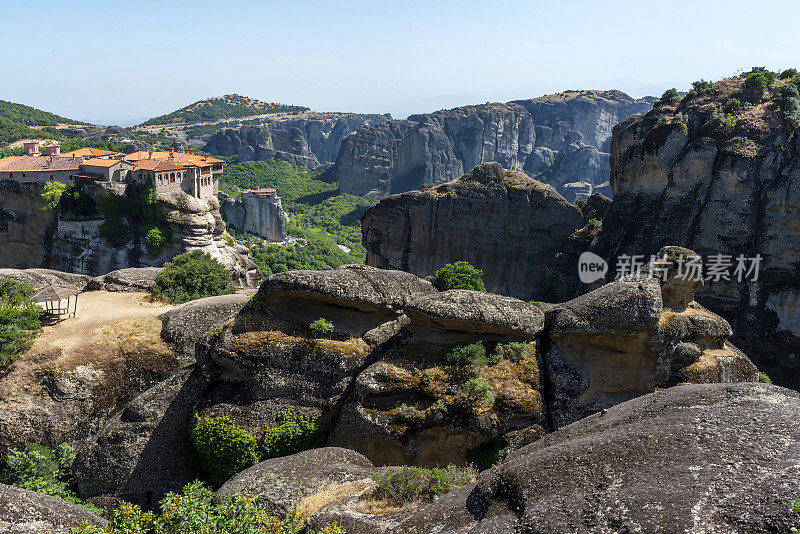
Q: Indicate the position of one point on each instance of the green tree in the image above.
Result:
(670, 96)
(51, 195)
(732, 106)
(458, 275)
(19, 320)
(190, 276)
(321, 327)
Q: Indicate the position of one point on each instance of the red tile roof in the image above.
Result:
(38, 163)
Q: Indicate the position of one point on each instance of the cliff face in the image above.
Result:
(503, 222)
(560, 138)
(306, 142)
(260, 216)
(25, 231)
(682, 176)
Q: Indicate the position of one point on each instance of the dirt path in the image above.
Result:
(96, 309)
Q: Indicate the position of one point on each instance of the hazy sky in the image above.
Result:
(121, 62)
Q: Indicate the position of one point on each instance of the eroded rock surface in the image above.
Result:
(28, 512)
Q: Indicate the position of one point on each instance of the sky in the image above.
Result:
(123, 62)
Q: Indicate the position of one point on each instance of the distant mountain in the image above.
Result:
(222, 107)
(17, 122)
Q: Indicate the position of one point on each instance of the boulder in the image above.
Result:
(634, 335)
(306, 480)
(28, 512)
(138, 453)
(189, 322)
(130, 279)
(41, 278)
(475, 312)
(356, 298)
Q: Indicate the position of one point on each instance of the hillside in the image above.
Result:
(17, 122)
(222, 107)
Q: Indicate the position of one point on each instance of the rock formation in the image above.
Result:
(259, 212)
(682, 177)
(28, 512)
(305, 142)
(562, 138)
(26, 233)
(503, 222)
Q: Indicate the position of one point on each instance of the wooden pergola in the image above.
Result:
(54, 305)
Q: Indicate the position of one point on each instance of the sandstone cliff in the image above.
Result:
(504, 222)
(562, 138)
(682, 176)
(259, 215)
(26, 233)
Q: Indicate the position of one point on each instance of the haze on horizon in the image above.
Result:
(124, 62)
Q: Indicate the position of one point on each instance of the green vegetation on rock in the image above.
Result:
(670, 96)
(191, 276)
(464, 355)
(193, 511)
(223, 448)
(477, 393)
(320, 327)
(51, 195)
(19, 320)
(458, 275)
(44, 470)
(325, 219)
(292, 433)
(222, 107)
(412, 484)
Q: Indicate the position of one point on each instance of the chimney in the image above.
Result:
(149, 153)
(31, 148)
(172, 154)
(53, 149)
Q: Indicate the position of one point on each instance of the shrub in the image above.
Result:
(702, 87)
(514, 351)
(44, 470)
(410, 484)
(156, 236)
(320, 327)
(732, 105)
(477, 393)
(594, 223)
(730, 122)
(19, 320)
(193, 511)
(51, 195)
(487, 455)
(190, 276)
(670, 96)
(581, 202)
(458, 275)
(223, 448)
(788, 74)
(464, 355)
(757, 81)
(763, 377)
(292, 433)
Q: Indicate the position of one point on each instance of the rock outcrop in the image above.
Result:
(682, 177)
(561, 138)
(26, 233)
(28, 512)
(305, 142)
(503, 222)
(258, 212)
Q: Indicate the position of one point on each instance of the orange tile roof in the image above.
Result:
(98, 162)
(38, 163)
(178, 157)
(89, 152)
(157, 165)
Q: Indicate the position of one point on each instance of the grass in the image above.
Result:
(406, 485)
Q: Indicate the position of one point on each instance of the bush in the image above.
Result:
(581, 202)
(458, 275)
(464, 355)
(763, 377)
(757, 81)
(190, 276)
(732, 105)
(193, 511)
(77, 202)
(45, 470)
(320, 327)
(51, 195)
(788, 74)
(477, 393)
(670, 96)
(19, 320)
(156, 236)
(292, 433)
(223, 448)
(702, 87)
(514, 351)
(410, 484)
(487, 455)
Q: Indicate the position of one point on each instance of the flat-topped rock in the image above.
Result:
(190, 321)
(40, 278)
(352, 286)
(28, 512)
(130, 279)
(476, 312)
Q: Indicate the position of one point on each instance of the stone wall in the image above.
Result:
(25, 232)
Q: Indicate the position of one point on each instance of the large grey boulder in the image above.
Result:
(138, 454)
(187, 323)
(356, 298)
(41, 278)
(476, 312)
(130, 279)
(28, 512)
(295, 480)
